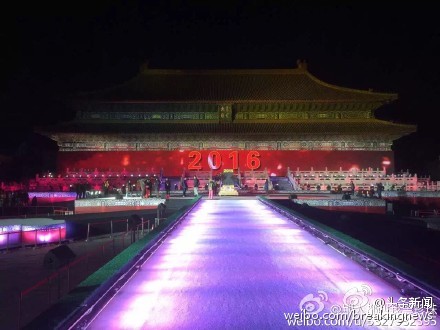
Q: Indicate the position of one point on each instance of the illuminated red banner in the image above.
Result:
(173, 163)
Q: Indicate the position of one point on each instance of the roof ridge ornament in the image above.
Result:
(302, 64)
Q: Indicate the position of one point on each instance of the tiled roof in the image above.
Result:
(154, 85)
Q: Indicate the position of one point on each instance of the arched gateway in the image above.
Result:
(169, 121)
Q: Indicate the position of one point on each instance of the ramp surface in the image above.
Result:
(237, 264)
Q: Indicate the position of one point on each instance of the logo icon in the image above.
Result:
(313, 304)
(357, 297)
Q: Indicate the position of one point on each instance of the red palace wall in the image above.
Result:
(173, 162)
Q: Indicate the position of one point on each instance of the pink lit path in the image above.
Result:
(235, 264)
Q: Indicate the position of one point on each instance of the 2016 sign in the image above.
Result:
(216, 161)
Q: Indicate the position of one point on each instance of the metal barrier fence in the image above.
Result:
(110, 225)
(38, 297)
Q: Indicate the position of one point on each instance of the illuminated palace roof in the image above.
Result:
(229, 105)
(284, 85)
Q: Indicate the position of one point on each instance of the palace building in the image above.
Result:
(172, 121)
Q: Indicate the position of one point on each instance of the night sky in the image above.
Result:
(49, 51)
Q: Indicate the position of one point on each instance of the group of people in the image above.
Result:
(150, 187)
(14, 198)
(211, 186)
(196, 185)
(372, 192)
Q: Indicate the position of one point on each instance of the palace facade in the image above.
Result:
(172, 121)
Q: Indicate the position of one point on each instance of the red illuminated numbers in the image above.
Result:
(234, 156)
(253, 160)
(214, 160)
(195, 163)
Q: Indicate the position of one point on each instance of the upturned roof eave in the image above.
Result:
(130, 86)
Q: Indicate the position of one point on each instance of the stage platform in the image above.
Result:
(31, 231)
(52, 196)
(339, 203)
(111, 204)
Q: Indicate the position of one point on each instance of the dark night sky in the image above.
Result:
(48, 51)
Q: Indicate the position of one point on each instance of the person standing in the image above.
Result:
(106, 188)
(379, 189)
(143, 189)
(371, 191)
(149, 185)
(215, 186)
(184, 187)
(155, 187)
(167, 188)
(196, 186)
(266, 186)
(339, 189)
(211, 184)
(128, 189)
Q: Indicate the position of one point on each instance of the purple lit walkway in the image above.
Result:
(236, 264)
